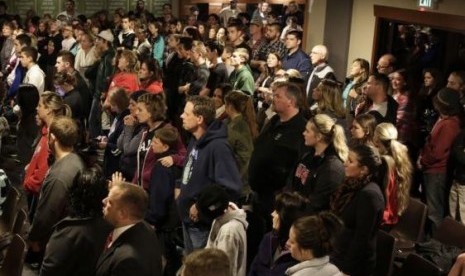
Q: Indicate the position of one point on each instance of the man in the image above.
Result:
(171, 68)
(277, 148)
(261, 12)
(140, 11)
(34, 75)
(65, 64)
(167, 12)
(218, 71)
(321, 70)
(187, 73)
(386, 64)
(132, 247)
(68, 39)
(126, 37)
(236, 36)
(69, 13)
(274, 45)
(228, 12)
(52, 205)
(209, 161)
(295, 58)
(456, 81)
(293, 10)
(257, 40)
(16, 75)
(383, 106)
(241, 78)
(104, 44)
(207, 262)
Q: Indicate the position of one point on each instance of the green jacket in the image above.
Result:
(242, 79)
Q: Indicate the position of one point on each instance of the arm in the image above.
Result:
(180, 155)
(439, 144)
(225, 171)
(59, 257)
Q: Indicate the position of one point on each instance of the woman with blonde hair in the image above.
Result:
(321, 170)
(399, 178)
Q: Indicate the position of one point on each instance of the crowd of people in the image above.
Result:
(141, 134)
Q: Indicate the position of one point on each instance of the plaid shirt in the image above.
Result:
(272, 47)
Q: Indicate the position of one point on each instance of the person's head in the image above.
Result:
(431, 77)
(235, 32)
(7, 29)
(140, 6)
(64, 81)
(239, 103)
(377, 85)
(212, 202)
(125, 23)
(447, 102)
(207, 262)
(456, 81)
(239, 57)
(363, 162)
(154, 28)
(150, 70)
(292, 7)
(87, 192)
(199, 113)
(363, 129)
(221, 34)
(233, 4)
(360, 69)
(386, 64)
(273, 31)
(104, 40)
(63, 134)
(256, 27)
(322, 130)
(173, 41)
(69, 5)
(27, 98)
(199, 52)
(21, 41)
(67, 31)
(328, 94)
(399, 80)
(319, 55)
(214, 50)
(166, 8)
(86, 41)
(293, 40)
(273, 61)
(119, 100)
(213, 19)
(28, 57)
(127, 61)
(313, 236)
(288, 207)
(133, 101)
(286, 97)
(220, 93)
(164, 139)
(3, 7)
(184, 47)
(51, 105)
(263, 6)
(192, 32)
(64, 62)
(151, 108)
(125, 204)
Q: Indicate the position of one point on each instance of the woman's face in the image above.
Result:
(201, 29)
(428, 79)
(311, 136)
(179, 27)
(356, 69)
(153, 29)
(212, 33)
(42, 27)
(352, 166)
(276, 220)
(221, 34)
(397, 81)
(142, 114)
(293, 247)
(42, 111)
(7, 31)
(144, 72)
(316, 93)
(272, 61)
(133, 107)
(50, 48)
(218, 98)
(123, 63)
(356, 130)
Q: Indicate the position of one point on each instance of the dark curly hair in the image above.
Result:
(86, 195)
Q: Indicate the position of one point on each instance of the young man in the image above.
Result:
(126, 37)
(15, 77)
(34, 75)
(236, 35)
(295, 58)
(68, 38)
(218, 71)
(52, 205)
(241, 78)
(209, 160)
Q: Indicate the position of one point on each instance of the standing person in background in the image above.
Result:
(352, 91)
(241, 78)
(228, 12)
(27, 129)
(295, 57)
(321, 70)
(126, 38)
(150, 76)
(157, 41)
(86, 55)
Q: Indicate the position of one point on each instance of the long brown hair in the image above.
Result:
(244, 105)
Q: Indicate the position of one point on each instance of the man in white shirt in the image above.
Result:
(34, 75)
(68, 39)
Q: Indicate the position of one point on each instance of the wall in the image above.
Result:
(363, 21)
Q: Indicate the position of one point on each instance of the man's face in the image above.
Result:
(125, 24)
(69, 6)
(264, 7)
(233, 4)
(383, 66)
(25, 60)
(316, 56)
(280, 100)
(183, 53)
(371, 87)
(67, 32)
(233, 34)
(111, 206)
(18, 47)
(271, 33)
(166, 9)
(140, 5)
(454, 82)
(292, 42)
(190, 121)
(60, 65)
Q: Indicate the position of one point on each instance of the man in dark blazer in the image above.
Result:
(132, 247)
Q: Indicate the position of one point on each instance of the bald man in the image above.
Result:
(321, 70)
(386, 64)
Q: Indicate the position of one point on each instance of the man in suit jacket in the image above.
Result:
(132, 247)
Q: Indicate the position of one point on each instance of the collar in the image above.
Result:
(118, 231)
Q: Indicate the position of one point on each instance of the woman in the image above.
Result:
(151, 112)
(221, 36)
(212, 33)
(357, 78)
(363, 130)
(119, 103)
(273, 257)
(202, 27)
(157, 41)
(310, 242)
(405, 123)
(359, 202)
(273, 65)
(86, 55)
(399, 178)
(328, 100)
(242, 131)
(218, 97)
(320, 171)
(8, 46)
(50, 106)
(426, 115)
(126, 72)
(65, 86)
(27, 129)
(150, 76)
(79, 239)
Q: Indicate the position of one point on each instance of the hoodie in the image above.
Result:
(228, 233)
(210, 160)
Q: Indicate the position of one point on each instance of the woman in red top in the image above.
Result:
(50, 106)
(150, 76)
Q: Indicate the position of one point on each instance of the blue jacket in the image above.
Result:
(210, 160)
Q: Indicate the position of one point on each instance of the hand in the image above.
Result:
(352, 93)
(116, 179)
(129, 120)
(166, 161)
(194, 213)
